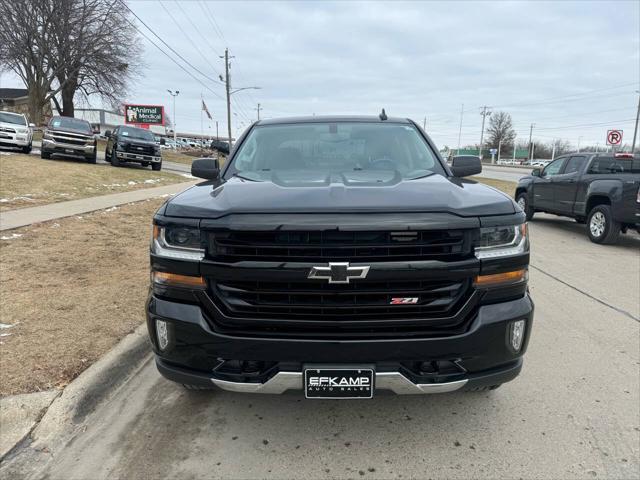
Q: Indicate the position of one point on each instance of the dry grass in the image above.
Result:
(188, 156)
(505, 186)
(28, 181)
(71, 289)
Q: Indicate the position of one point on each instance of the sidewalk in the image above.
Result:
(26, 216)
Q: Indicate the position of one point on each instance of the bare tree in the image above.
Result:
(500, 130)
(24, 48)
(67, 48)
(96, 51)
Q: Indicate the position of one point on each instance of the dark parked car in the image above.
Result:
(132, 144)
(599, 189)
(69, 136)
(220, 146)
(339, 256)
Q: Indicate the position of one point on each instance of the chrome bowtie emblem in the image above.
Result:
(339, 272)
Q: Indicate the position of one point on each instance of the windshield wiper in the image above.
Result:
(239, 175)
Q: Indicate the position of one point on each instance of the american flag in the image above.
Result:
(206, 110)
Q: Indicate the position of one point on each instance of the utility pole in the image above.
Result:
(530, 143)
(460, 129)
(485, 112)
(424, 124)
(514, 150)
(174, 95)
(579, 138)
(228, 89)
(258, 109)
(499, 148)
(553, 149)
(217, 136)
(635, 129)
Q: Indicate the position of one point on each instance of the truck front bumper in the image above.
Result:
(482, 355)
(52, 146)
(138, 157)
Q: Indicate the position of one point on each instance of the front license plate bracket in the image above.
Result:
(338, 382)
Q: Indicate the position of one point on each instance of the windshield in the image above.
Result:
(137, 133)
(68, 123)
(326, 148)
(12, 118)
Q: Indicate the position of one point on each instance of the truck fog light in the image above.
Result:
(162, 332)
(516, 334)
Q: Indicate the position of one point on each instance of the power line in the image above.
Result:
(565, 99)
(169, 46)
(170, 57)
(217, 29)
(195, 46)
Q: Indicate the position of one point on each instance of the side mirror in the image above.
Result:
(536, 172)
(107, 134)
(207, 168)
(162, 141)
(466, 165)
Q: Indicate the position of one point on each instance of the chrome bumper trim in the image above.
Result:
(394, 381)
(134, 156)
(87, 148)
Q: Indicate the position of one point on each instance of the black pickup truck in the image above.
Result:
(132, 144)
(339, 256)
(599, 189)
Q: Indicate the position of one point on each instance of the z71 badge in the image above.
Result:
(404, 300)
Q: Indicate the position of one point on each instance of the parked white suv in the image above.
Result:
(15, 131)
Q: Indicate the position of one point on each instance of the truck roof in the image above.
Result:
(332, 119)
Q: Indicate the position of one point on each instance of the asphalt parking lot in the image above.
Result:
(573, 413)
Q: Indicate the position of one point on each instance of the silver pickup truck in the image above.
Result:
(69, 136)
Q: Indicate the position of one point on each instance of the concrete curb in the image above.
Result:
(19, 414)
(84, 394)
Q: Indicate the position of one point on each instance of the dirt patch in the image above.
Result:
(505, 186)
(69, 291)
(28, 181)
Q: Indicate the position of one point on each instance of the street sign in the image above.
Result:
(614, 137)
(493, 151)
(144, 115)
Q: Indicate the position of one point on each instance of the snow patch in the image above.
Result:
(11, 237)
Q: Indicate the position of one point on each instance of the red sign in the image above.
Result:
(614, 137)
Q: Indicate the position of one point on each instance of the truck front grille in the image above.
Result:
(359, 300)
(70, 138)
(140, 149)
(337, 245)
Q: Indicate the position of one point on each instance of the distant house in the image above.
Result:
(14, 100)
(17, 100)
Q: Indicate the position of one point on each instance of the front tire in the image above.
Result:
(94, 157)
(114, 159)
(27, 149)
(523, 203)
(601, 226)
(44, 154)
(156, 167)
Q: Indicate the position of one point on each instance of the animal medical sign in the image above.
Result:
(144, 114)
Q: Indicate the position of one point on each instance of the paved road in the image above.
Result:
(573, 413)
(511, 174)
(167, 166)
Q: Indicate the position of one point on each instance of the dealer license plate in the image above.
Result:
(338, 383)
(69, 150)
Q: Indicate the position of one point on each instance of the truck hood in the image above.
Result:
(434, 193)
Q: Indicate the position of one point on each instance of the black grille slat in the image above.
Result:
(359, 299)
(340, 245)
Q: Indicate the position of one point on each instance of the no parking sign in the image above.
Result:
(614, 137)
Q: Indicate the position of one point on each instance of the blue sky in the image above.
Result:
(561, 65)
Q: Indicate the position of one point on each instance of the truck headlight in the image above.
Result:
(502, 241)
(177, 242)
